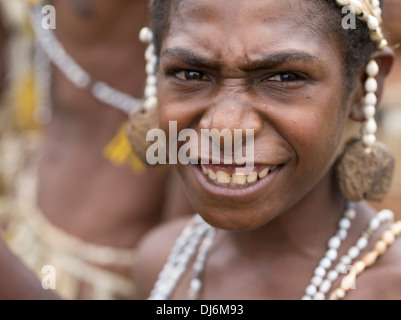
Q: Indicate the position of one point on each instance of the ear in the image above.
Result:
(384, 59)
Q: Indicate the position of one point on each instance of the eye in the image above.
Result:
(285, 77)
(191, 75)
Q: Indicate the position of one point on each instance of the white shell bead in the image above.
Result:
(369, 140)
(372, 69)
(369, 111)
(374, 223)
(378, 12)
(196, 284)
(334, 242)
(145, 35)
(325, 263)
(353, 252)
(357, 6)
(343, 2)
(325, 286)
(150, 52)
(371, 126)
(317, 281)
(332, 254)
(332, 275)
(373, 23)
(150, 91)
(340, 268)
(345, 223)
(320, 272)
(342, 233)
(151, 80)
(319, 296)
(371, 99)
(306, 298)
(153, 59)
(386, 215)
(371, 85)
(350, 213)
(375, 3)
(383, 44)
(362, 243)
(151, 102)
(311, 290)
(346, 260)
(150, 68)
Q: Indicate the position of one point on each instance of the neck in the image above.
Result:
(305, 228)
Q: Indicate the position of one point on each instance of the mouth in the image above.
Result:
(227, 182)
(232, 177)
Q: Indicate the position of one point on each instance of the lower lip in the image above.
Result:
(239, 193)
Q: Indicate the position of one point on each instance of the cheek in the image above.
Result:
(173, 108)
(315, 137)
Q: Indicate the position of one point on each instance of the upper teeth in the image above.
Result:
(237, 178)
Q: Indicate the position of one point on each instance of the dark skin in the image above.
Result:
(276, 230)
(79, 190)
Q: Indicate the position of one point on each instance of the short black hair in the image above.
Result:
(355, 43)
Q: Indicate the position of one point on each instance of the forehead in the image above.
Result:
(239, 27)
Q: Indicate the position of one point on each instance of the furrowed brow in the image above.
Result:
(189, 57)
(279, 58)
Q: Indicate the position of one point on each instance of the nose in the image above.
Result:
(231, 119)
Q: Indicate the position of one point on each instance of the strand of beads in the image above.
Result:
(331, 254)
(384, 216)
(146, 36)
(370, 127)
(183, 250)
(388, 237)
(74, 72)
(199, 265)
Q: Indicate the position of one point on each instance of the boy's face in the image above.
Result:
(261, 65)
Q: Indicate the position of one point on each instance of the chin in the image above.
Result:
(244, 207)
(240, 218)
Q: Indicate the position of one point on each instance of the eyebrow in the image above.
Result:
(189, 57)
(267, 62)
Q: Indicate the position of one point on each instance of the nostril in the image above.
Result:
(252, 121)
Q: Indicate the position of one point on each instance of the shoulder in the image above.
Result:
(153, 252)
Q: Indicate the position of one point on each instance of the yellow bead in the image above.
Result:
(396, 228)
(370, 258)
(381, 247)
(388, 237)
(348, 282)
(359, 267)
(337, 294)
(340, 293)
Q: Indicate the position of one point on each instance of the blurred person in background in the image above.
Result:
(76, 196)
